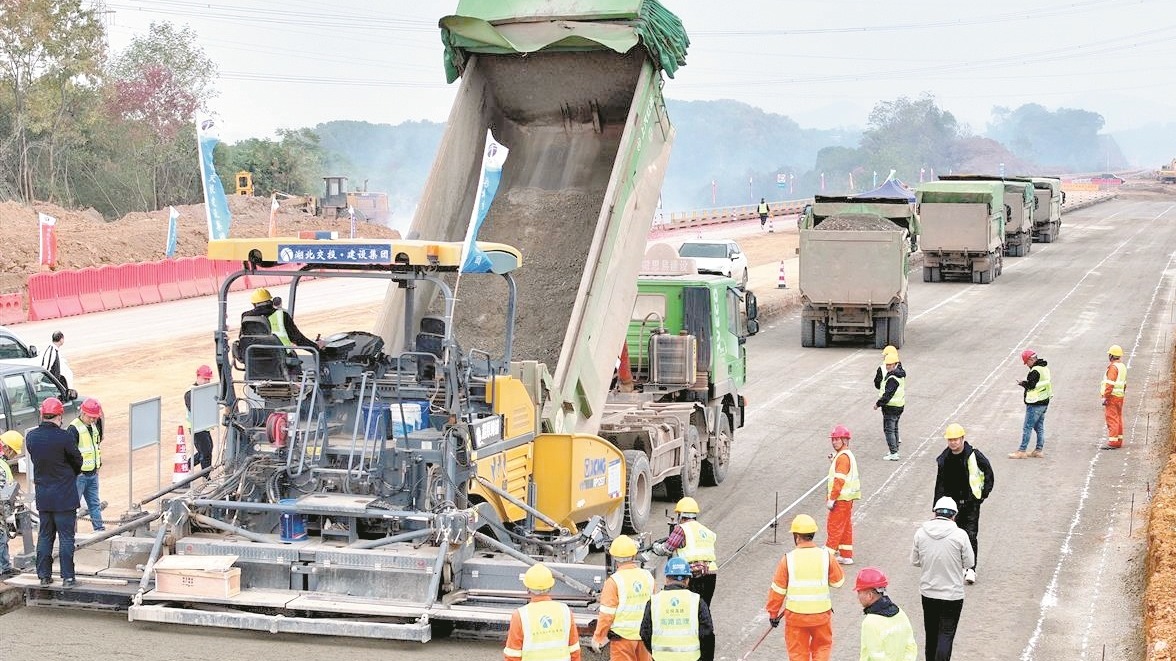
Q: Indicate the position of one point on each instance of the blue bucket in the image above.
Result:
(376, 418)
(293, 525)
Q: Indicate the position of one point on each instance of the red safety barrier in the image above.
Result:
(65, 290)
(42, 297)
(12, 309)
(85, 283)
(167, 276)
(206, 280)
(147, 280)
(186, 277)
(225, 268)
(126, 283)
(108, 287)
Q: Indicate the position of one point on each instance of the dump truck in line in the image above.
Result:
(854, 267)
(1020, 207)
(393, 494)
(962, 229)
(1047, 211)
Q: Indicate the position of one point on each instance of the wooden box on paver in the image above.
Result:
(198, 575)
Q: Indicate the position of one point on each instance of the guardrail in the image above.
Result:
(719, 215)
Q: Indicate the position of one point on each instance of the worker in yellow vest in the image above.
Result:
(886, 630)
(694, 543)
(622, 604)
(86, 431)
(11, 445)
(542, 630)
(890, 380)
(1114, 386)
(677, 624)
(763, 209)
(800, 594)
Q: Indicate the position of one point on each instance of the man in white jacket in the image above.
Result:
(943, 550)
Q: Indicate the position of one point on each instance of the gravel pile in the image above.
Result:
(857, 222)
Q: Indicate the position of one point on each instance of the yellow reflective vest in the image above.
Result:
(89, 444)
(852, 489)
(808, 580)
(699, 545)
(763, 208)
(1119, 385)
(674, 616)
(634, 588)
(975, 477)
(1044, 388)
(277, 324)
(899, 398)
(546, 627)
(5, 478)
(888, 638)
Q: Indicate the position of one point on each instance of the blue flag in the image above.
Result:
(215, 203)
(172, 231)
(473, 259)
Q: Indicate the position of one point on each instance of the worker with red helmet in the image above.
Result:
(886, 630)
(202, 440)
(1038, 389)
(56, 465)
(843, 488)
(86, 430)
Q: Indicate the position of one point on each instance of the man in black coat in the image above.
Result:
(964, 475)
(56, 465)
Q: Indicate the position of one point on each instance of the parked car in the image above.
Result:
(15, 350)
(721, 257)
(23, 388)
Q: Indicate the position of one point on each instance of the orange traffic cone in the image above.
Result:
(771, 230)
(180, 470)
(782, 280)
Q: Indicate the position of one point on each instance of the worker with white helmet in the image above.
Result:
(890, 381)
(622, 604)
(694, 543)
(844, 486)
(11, 445)
(800, 594)
(886, 630)
(1114, 386)
(542, 630)
(86, 431)
(965, 475)
(944, 552)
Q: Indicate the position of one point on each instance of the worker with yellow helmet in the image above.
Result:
(800, 594)
(543, 629)
(694, 543)
(890, 381)
(11, 445)
(622, 604)
(964, 475)
(1114, 386)
(280, 322)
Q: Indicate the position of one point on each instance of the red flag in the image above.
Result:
(48, 239)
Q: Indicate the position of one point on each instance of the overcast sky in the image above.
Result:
(824, 63)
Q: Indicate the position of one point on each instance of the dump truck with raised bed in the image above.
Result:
(392, 484)
(1020, 203)
(1047, 211)
(962, 229)
(854, 266)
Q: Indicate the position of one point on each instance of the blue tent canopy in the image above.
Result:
(892, 189)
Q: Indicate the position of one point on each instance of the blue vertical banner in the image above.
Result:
(173, 217)
(215, 204)
(493, 158)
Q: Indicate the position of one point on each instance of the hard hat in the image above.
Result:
(204, 372)
(623, 547)
(840, 431)
(52, 407)
(945, 504)
(804, 525)
(870, 578)
(953, 431)
(14, 440)
(890, 355)
(677, 568)
(1028, 354)
(686, 506)
(1116, 351)
(92, 408)
(260, 296)
(538, 578)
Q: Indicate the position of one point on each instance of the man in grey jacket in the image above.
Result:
(944, 551)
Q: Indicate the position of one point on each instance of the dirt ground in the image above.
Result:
(1159, 607)
(84, 238)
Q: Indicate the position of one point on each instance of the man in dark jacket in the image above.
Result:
(56, 466)
(280, 322)
(1038, 390)
(669, 617)
(965, 476)
(201, 439)
(890, 380)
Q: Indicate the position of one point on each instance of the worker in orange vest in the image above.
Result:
(800, 594)
(1114, 385)
(844, 487)
(542, 630)
(622, 605)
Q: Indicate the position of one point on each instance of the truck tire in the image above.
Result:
(638, 491)
(986, 277)
(820, 334)
(928, 272)
(807, 332)
(936, 274)
(896, 330)
(718, 457)
(686, 484)
(881, 332)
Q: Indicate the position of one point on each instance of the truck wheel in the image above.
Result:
(807, 332)
(686, 484)
(881, 332)
(927, 274)
(896, 330)
(718, 458)
(978, 277)
(820, 334)
(936, 274)
(639, 491)
(986, 277)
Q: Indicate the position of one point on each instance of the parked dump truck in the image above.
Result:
(388, 484)
(963, 225)
(1047, 211)
(1020, 204)
(853, 280)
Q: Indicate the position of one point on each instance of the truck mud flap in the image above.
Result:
(419, 631)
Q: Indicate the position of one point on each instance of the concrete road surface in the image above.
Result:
(1061, 564)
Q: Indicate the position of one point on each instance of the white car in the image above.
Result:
(15, 350)
(720, 256)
